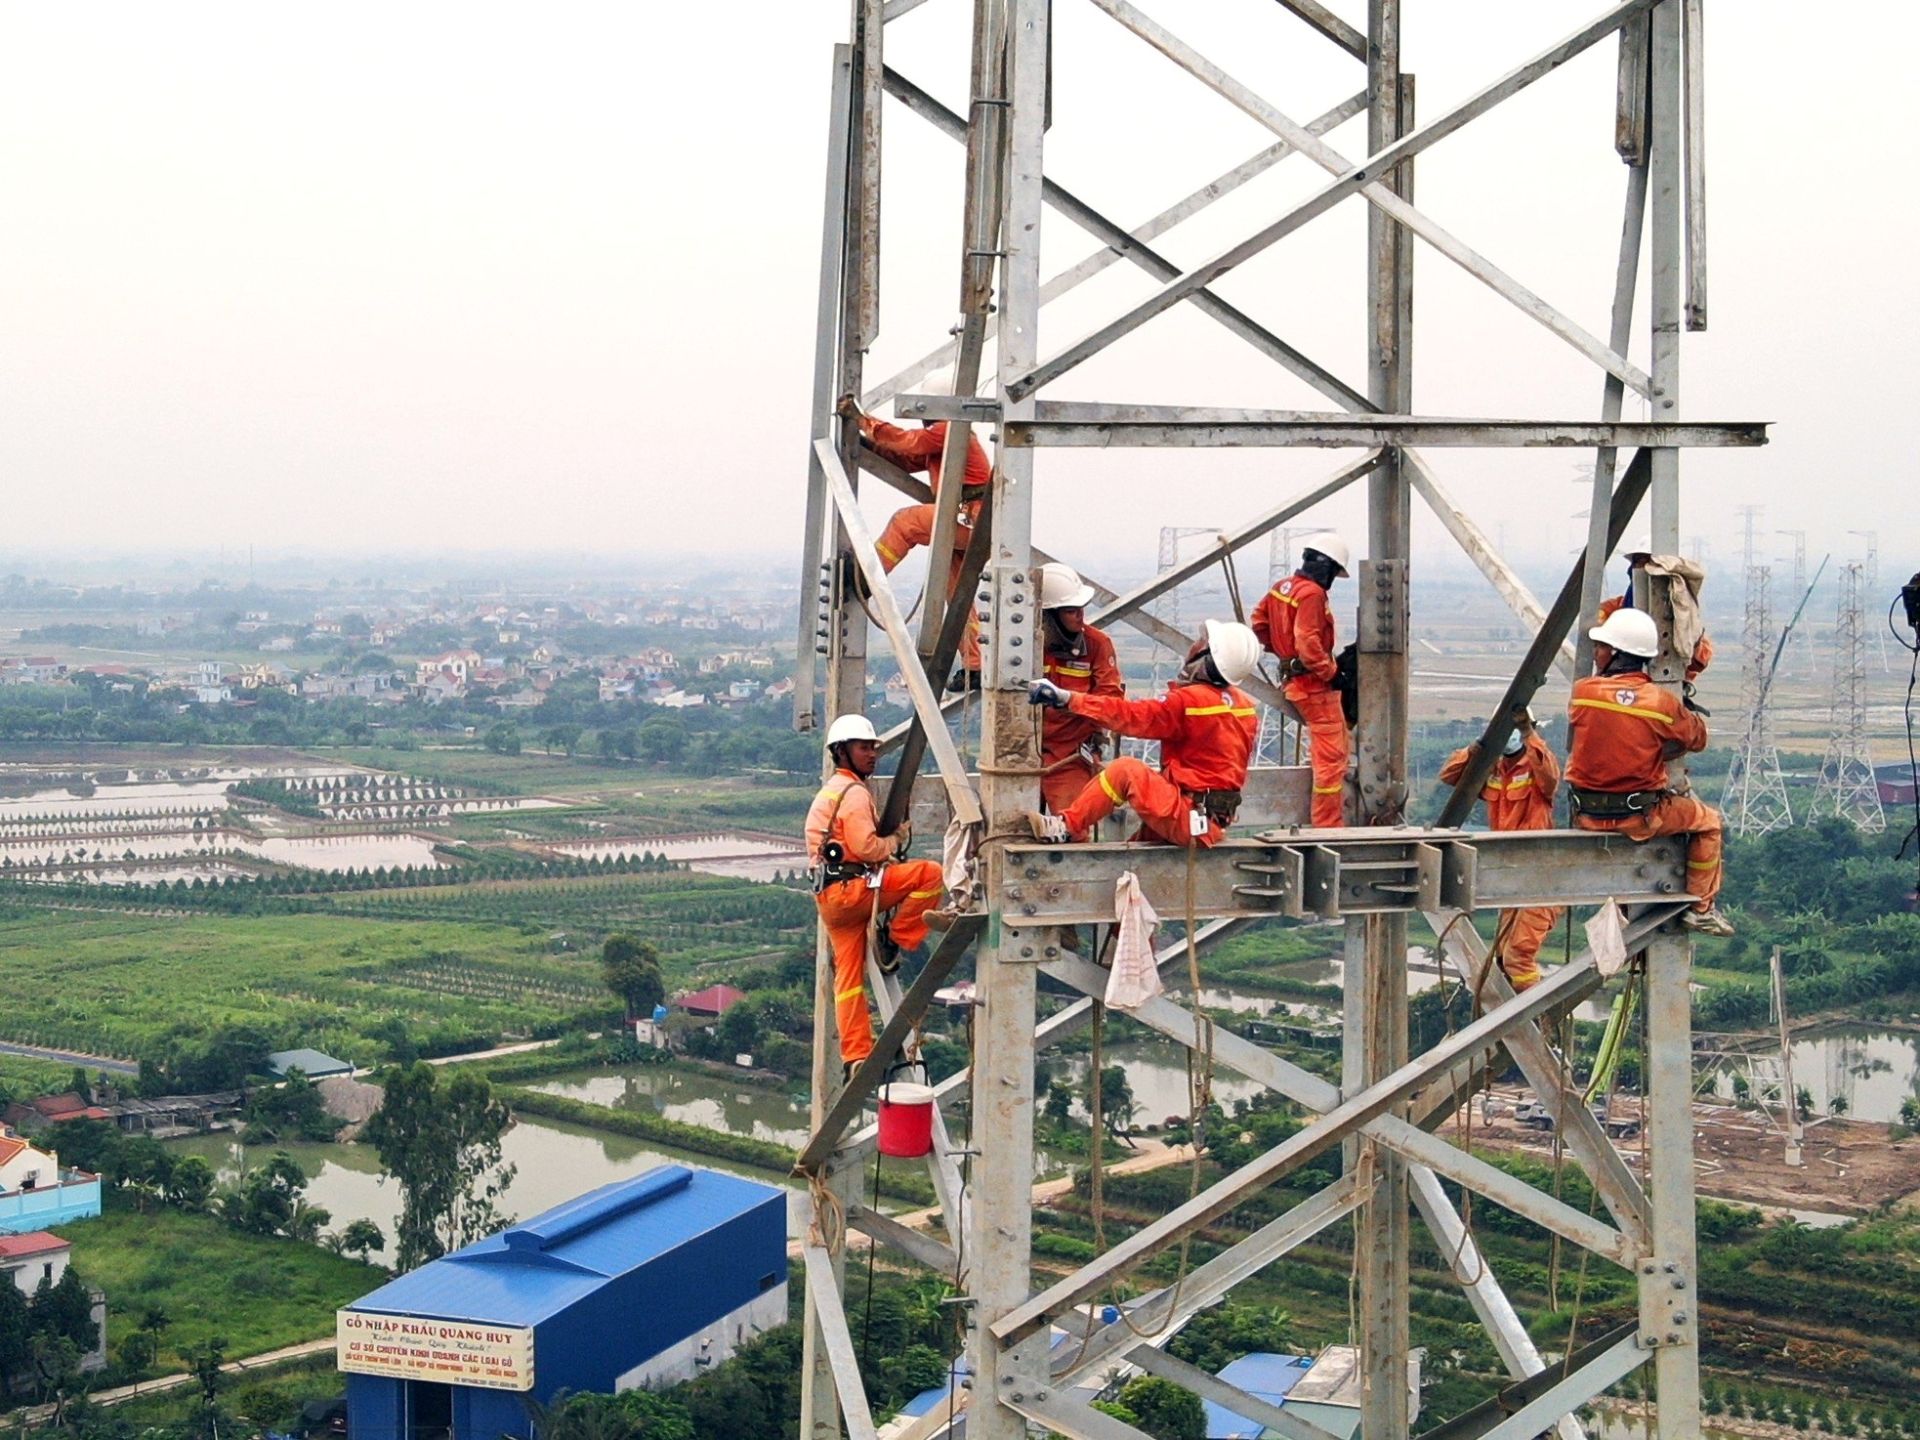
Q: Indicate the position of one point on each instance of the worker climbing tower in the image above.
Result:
(1846, 787)
(1757, 802)
(1038, 1343)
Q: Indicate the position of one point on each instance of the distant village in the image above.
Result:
(674, 651)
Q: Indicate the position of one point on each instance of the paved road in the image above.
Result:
(70, 1057)
(522, 1048)
(41, 1414)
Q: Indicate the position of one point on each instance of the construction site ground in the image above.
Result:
(1850, 1167)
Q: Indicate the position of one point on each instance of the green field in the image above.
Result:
(258, 1292)
(120, 984)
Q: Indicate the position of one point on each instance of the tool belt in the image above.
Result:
(1613, 804)
(827, 873)
(835, 867)
(1219, 806)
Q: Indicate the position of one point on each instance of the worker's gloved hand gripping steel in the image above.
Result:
(1045, 692)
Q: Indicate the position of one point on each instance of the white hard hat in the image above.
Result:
(936, 382)
(1235, 650)
(1640, 544)
(1629, 630)
(1330, 545)
(850, 727)
(1061, 587)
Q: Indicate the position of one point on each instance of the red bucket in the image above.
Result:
(906, 1118)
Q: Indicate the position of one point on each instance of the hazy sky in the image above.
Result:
(478, 275)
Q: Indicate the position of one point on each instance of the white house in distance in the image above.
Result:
(29, 1259)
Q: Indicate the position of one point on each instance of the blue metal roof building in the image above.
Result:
(1270, 1377)
(641, 1282)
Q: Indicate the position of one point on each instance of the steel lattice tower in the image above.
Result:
(1847, 787)
(1797, 582)
(1757, 800)
(1380, 1118)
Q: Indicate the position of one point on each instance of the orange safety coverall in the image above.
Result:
(843, 810)
(1519, 795)
(1087, 669)
(1623, 727)
(1292, 621)
(1206, 734)
(1702, 648)
(914, 451)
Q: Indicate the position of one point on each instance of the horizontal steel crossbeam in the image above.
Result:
(1084, 423)
(1330, 873)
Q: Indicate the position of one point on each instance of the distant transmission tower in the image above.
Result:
(1797, 580)
(1167, 607)
(1870, 575)
(1756, 791)
(1749, 524)
(1846, 775)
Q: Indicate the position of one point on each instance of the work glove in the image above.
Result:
(902, 839)
(1045, 692)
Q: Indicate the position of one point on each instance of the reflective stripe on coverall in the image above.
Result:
(1062, 733)
(915, 451)
(843, 810)
(1292, 620)
(1622, 727)
(1519, 795)
(1206, 734)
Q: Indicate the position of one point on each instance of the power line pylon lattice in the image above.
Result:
(1757, 802)
(1847, 787)
(1369, 878)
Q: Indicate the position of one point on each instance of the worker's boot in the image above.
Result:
(1048, 827)
(963, 681)
(886, 952)
(1707, 922)
(942, 918)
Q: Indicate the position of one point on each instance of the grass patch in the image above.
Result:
(120, 984)
(259, 1292)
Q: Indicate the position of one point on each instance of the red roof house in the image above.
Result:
(714, 1000)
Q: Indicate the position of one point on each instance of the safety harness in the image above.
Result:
(833, 865)
(1613, 804)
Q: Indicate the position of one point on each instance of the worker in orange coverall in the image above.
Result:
(1624, 730)
(1519, 795)
(919, 450)
(1079, 659)
(855, 871)
(1637, 553)
(1292, 620)
(1207, 730)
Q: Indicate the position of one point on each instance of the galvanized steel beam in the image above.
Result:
(1353, 182)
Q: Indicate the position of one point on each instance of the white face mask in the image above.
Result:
(1516, 742)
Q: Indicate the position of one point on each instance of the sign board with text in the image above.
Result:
(452, 1352)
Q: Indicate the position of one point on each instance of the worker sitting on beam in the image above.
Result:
(1624, 729)
(1293, 621)
(1078, 658)
(856, 872)
(917, 451)
(1519, 794)
(1207, 730)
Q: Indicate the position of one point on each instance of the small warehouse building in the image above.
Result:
(313, 1064)
(644, 1282)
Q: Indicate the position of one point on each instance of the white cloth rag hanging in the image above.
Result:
(1607, 939)
(1683, 579)
(1134, 979)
